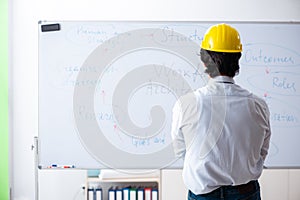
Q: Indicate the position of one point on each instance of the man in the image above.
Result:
(221, 130)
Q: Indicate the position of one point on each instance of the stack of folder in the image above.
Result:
(132, 193)
(95, 194)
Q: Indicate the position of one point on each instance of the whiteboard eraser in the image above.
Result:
(50, 27)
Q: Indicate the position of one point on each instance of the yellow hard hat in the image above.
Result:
(222, 38)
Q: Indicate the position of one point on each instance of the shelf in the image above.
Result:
(120, 181)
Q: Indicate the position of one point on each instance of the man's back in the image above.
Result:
(226, 134)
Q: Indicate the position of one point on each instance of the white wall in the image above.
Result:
(24, 17)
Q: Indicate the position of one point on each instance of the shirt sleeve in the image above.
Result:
(266, 142)
(176, 132)
(263, 114)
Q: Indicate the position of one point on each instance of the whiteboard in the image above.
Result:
(106, 89)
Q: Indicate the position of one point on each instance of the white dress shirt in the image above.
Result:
(223, 132)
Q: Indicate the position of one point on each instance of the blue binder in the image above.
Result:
(111, 194)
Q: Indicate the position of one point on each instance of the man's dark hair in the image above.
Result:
(220, 63)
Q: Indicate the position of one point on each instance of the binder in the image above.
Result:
(119, 194)
(90, 193)
(155, 194)
(111, 194)
(98, 194)
(126, 193)
(148, 193)
(140, 194)
(133, 194)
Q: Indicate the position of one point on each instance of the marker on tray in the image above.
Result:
(53, 166)
(61, 166)
(67, 166)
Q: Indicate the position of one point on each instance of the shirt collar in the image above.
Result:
(222, 79)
